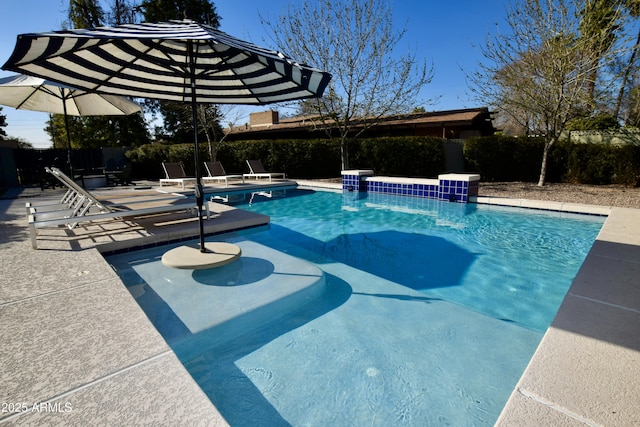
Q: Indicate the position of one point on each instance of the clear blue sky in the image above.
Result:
(443, 32)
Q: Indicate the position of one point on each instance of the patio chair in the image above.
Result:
(257, 171)
(216, 173)
(119, 176)
(65, 202)
(89, 208)
(175, 175)
(76, 201)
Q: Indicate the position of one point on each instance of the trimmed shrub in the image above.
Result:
(627, 165)
(416, 156)
(147, 159)
(495, 158)
(320, 158)
(603, 164)
(502, 158)
(316, 158)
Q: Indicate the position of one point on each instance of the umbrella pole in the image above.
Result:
(194, 115)
(188, 257)
(66, 127)
(199, 190)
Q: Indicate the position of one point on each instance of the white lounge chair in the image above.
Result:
(217, 173)
(76, 201)
(175, 175)
(93, 209)
(257, 171)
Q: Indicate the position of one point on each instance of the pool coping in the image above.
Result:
(585, 370)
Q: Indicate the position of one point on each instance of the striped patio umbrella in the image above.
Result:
(178, 60)
(36, 94)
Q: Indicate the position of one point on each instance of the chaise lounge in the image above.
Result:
(217, 173)
(76, 201)
(175, 175)
(86, 207)
(257, 171)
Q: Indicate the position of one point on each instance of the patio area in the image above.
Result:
(78, 349)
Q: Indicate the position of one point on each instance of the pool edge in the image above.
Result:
(532, 401)
(585, 368)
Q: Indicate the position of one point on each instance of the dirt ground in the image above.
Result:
(603, 195)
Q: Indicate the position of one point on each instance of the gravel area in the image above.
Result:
(603, 195)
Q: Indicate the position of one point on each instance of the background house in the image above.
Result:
(452, 124)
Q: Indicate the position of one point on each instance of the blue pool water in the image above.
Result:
(427, 312)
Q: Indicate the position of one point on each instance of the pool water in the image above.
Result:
(427, 315)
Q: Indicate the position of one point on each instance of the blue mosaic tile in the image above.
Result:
(447, 190)
(354, 182)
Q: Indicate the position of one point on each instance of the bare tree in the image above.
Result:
(600, 24)
(122, 12)
(209, 118)
(355, 41)
(633, 10)
(541, 65)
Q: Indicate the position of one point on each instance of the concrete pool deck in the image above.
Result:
(586, 370)
(76, 347)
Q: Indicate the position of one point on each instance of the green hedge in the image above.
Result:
(502, 158)
(603, 164)
(316, 158)
(495, 158)
(416, 156)
(147, 159)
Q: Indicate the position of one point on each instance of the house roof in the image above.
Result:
(463, 117)
(451, 117)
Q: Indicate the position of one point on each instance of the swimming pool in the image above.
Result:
(426, 312)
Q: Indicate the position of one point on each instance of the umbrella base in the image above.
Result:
(217, 254)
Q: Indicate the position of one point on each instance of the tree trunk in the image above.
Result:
(545, 158)
(344, 153)
(591, 89)
(212, 152)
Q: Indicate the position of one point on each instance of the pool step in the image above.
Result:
(233, 300)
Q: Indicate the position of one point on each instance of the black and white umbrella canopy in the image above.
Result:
(176, 61)
(169, 61)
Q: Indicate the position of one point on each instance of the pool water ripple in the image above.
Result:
(430, 315)
(519, 255)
